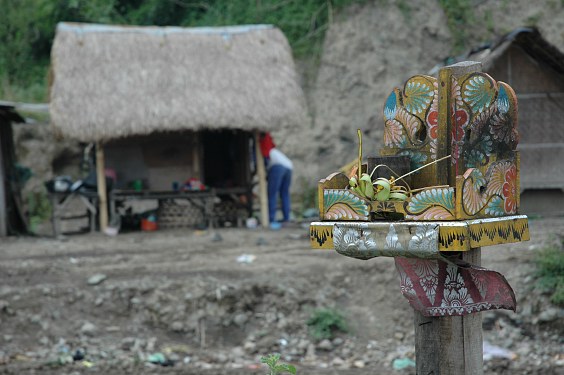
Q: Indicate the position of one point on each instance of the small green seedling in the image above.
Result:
(277, 368)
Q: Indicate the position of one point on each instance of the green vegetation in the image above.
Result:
(550, 270)
(308, 196)
(39, 209)
(460, 16)
(489, 21)
(405, 10)
(533, 19)
(28, 28)
(325, 323)
(277, 368)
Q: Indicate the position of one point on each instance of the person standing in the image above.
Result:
(279, 176)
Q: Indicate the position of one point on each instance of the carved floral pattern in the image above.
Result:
(509, 191)
(473, 197)
(495, 193)
(410, 129)
(432, 204)
(341, 204)
(436, 287)
(433, 122)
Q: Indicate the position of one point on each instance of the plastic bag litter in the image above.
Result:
(492, 351)
(403, 363)
(246, 258)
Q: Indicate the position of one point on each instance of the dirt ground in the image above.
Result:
(190, 295)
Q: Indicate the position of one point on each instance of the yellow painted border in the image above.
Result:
(321, 235)
(486, 233)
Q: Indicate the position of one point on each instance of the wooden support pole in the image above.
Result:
(101, 182)
(450, 345)
(3, 200)
(446, 114)
(263, 194)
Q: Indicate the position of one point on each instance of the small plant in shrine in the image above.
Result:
(382, 189)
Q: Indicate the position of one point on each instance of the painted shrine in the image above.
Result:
(446, 180)
(471, 117)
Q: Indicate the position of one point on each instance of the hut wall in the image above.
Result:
(158, 160)
(219, 159)
(540, 91)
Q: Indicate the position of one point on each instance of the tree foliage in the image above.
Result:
(27, 27)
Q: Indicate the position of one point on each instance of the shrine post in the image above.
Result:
(445, 185)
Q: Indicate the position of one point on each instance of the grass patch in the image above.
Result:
(550, 272)
(39, 209)
(325, 323)
(405, 9)
(533, 20)
(308, 197)
(460, 16)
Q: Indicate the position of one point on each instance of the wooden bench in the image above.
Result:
(61, 200)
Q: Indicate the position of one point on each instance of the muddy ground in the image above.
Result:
(190, 295)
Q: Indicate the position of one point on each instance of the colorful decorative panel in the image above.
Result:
(441, 287)
(341, 204)
(431, 204)
(411, 123)
(484, 121)
(492, 193)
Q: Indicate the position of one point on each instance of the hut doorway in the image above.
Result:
(227, 169)
(226, 162)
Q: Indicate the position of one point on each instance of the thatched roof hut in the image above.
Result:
(150, 96)
(116, 81)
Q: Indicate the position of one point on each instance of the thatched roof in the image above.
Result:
(530, 40)
(114, 81)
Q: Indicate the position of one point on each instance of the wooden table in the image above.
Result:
(201, 199)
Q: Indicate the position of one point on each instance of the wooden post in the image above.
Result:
(101, 182)
(450, 345)
(446, 113)
(3, 203)
(263, 194)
